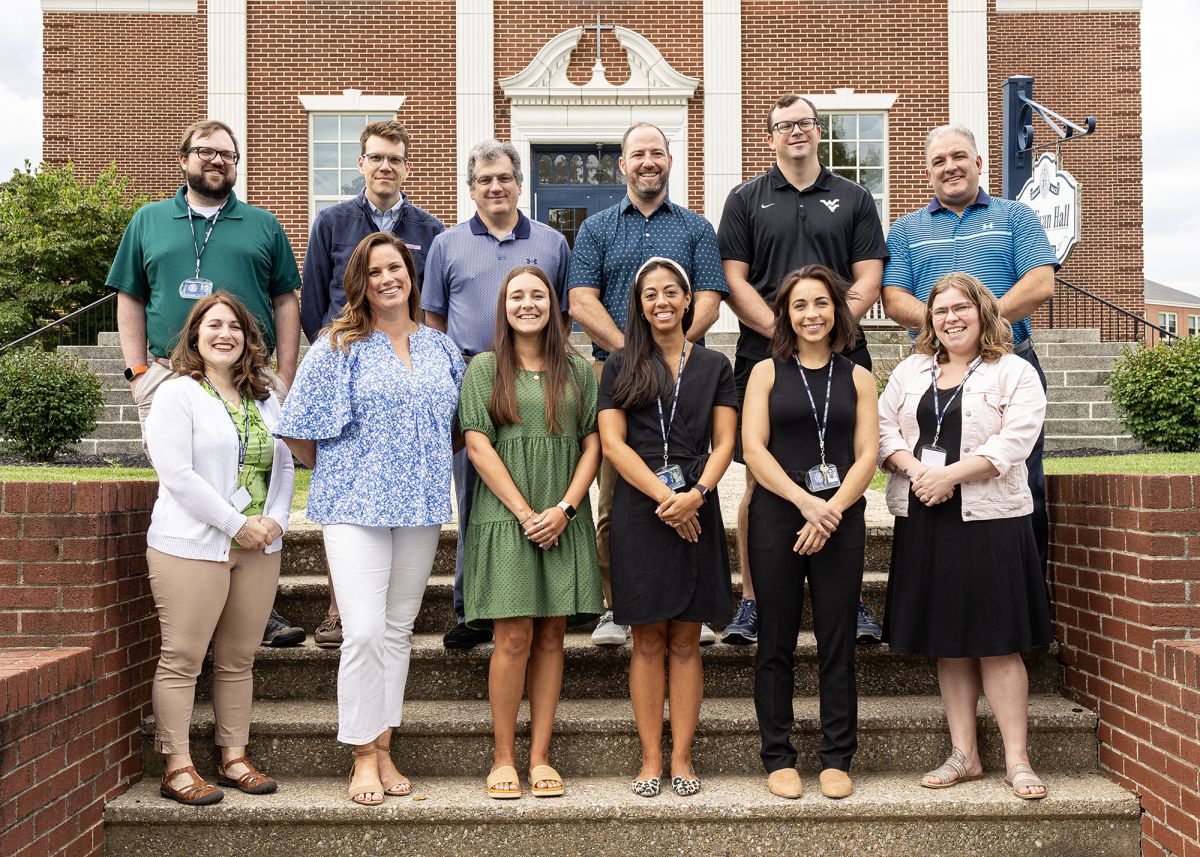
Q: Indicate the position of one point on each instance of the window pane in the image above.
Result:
(872, 180)
(560, 169)
(823, 122)
(545, 170)
(870, 154)
(352, 125)
(844, 125)
(870, 126)
(325, 182)
(325, 203)
(325, 155)
(846, 173)
(325, 127)
(379, 117)
(352, 182)
(591, 166)
(844, 155)
(576, 176)
(609, 172)
(350, 152)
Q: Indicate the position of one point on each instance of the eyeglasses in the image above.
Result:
(959, 310)
(207, 153)
(394, 161)
(504, 179)
(786, 126)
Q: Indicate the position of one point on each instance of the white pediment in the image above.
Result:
(652, 80)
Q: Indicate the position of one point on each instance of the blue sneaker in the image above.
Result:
(868, 630)
(744, 627)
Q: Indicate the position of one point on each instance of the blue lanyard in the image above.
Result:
(243, 440)
(939, 413)
(822, 422)
(665, 428)
(200, 248)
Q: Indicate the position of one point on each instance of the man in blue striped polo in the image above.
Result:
(999, 241)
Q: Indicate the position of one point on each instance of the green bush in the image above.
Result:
(48, 402)
(1157, 391)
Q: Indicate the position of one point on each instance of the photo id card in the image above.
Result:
(671, 476)
(240, 498)
(822, 477)
(932, 456)
(195, 288)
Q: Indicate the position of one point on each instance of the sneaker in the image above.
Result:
(744, 627)
(608, 632)
(329, 633)
(707, 635)
(868, 630)
(462, 637)
(280, 633)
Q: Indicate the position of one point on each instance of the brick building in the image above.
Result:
(298, 78)
(1173, 310)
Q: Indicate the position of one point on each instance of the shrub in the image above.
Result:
(48, 402)
(1157, 391)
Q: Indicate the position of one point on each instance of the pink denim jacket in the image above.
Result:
(1003, 406)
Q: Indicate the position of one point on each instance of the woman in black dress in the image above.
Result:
(663, 404)
(810, 432)
(957, 421)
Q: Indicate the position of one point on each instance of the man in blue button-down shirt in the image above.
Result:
(611, 245)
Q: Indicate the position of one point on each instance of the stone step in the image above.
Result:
(1084, 428)
(1066, 334)
(1078, 378)
(1078, 393)
(129, 430)
(109, 338)
(131, 446)
(889, 815)
(1092, 444)
(1080, 349)
(306, 672)
(1080, 411)
(1068, 362)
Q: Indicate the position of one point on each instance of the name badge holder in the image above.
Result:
(240, 498)
(823, 476)
(194, 288)
(669, 474)
(930, 454)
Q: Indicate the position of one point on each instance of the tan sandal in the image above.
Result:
(197, 793)
(358, 792)
(500, 776)
(545, 773)
(253, 782)
(397, 786)
(951, 772)
(1021, 776)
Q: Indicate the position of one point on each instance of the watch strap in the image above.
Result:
(132, 372)
(568, 509)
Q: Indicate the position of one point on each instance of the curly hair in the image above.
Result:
(248, 375)
(995, 332)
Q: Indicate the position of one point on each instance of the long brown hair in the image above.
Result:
(356, 321)
(644, 374)
(845, 332)
(247, 374)
(502, 406)
(995, 332)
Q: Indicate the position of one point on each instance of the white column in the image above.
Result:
(474, 104)
(227, 73)
(968, 60)
(722, 114)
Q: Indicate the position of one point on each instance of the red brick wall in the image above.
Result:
(1125, 572)
(72, 580)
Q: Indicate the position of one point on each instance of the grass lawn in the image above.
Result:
(1157, 462)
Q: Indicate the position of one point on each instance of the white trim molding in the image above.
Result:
(722, 117)
(143, 7)
(474, 103)
(1068, 5)
(848, 101)
(227, 87)
(352, 101)
(967, 53)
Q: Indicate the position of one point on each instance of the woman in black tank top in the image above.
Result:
(809, 431)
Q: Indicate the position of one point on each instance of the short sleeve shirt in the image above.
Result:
(382, 430)
(247, 254)
(995, 240)
(775, 229)
(612, 244)
(466, 265)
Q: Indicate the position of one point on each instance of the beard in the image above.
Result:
(649, 186)
(202, 186)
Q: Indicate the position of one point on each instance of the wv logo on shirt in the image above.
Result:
(832, 204)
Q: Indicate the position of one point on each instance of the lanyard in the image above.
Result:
(243, 440)
(939, 413)
(200, 248)
(822, 422)
(665, 428)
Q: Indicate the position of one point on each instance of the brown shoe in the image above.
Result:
(836, 784)
(785, 783)
(197, 793)
(329, 633)
(253, 782)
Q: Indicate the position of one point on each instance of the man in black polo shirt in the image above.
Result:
(797, 213)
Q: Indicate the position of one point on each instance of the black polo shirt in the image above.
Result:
(775, 229)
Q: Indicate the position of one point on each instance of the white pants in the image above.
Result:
(380, 575)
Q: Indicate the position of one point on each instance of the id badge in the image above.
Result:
(195, 288)
(671, 476)
(822, 477)
(932, 456)
(240, 498)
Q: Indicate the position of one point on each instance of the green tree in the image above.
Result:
(58, 235)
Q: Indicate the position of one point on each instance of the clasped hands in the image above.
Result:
(679, 511)
(821, 520)
(543, 528)
(258, 532)
(932, 485)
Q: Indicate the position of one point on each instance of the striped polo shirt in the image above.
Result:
(995, 240)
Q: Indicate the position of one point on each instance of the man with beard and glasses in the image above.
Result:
(611, 246)
(202, 240)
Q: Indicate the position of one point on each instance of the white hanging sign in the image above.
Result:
(1054, 194)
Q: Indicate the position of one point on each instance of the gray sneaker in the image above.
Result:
(608, 632)
(707, 635)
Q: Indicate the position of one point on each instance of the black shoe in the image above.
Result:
(280, 633)
(462, 637)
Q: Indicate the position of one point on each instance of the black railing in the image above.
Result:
(1075, 306)
(81, 327)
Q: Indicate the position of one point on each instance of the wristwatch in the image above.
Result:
(132, 372)
(568, 509)
(704, 492)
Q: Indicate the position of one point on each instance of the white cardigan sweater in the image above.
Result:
(194, 448)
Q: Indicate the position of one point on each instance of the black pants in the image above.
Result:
(1037, 476)
(834, 576)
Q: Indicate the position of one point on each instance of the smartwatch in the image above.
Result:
(704, 492)
(568, 510)
(132, 372)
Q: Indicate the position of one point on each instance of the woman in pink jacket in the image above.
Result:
(957, 421)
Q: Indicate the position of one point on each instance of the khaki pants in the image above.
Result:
(606, 482)
(198, 601)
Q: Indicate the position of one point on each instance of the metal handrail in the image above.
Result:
(1119, 318)
(60, 323)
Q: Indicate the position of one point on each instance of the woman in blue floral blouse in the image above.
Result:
(371, 412)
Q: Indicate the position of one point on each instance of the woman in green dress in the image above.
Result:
(528, 412)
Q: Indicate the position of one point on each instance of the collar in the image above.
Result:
(824, 180)
(180, 205)
(981, 199)
(521, 231)
(365, 201)
(627, 204)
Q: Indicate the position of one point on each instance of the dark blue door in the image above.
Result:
(571, 182)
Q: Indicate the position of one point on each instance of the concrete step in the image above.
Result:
(129, 446)
(1080, 411)
(1066, 334)
(594, 737)
(888, 816)
(109, 338)
(1080, 349)
(1078, 393)
(306, 672)
(1104, 443)
(1084, 428)
(1068, 362)
(1078, 378)
(118, 395)
(127, 430)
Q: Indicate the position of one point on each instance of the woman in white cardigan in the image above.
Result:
(225, 492)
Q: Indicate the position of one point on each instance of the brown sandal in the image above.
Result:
(253, 782)
(198, 793)
(398, 786)
(1021, 776)
(355, 792)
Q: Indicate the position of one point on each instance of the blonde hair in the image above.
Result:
(995, 333)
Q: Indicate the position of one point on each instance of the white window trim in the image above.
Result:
(143, 7)
(848, 101)
(1068, 5)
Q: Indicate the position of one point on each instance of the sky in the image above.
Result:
(1171, 168)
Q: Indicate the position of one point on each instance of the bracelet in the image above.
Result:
(241, 532)
(526, 518)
